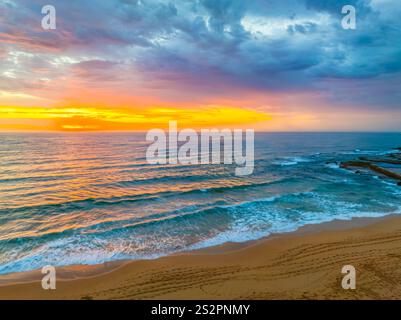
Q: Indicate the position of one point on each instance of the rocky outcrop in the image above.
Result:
(373, 164)
(382, 160)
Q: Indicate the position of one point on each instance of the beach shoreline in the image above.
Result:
(238, 270)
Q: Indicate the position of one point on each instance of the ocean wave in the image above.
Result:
(333, 165)
(92, 202)
(336, 166)
(198, 228)
(290, 161)
(120, 207)
(368, 152)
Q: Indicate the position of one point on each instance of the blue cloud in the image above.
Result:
(264, 45)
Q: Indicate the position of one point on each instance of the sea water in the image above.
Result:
(87, 198)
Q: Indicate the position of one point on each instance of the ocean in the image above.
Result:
(88, 198)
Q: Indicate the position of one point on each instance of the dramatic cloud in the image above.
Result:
(207, 50)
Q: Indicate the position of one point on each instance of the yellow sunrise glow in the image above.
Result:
(123, 118)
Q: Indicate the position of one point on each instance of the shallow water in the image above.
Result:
(86, 198)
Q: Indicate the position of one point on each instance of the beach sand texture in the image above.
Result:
(302, 265)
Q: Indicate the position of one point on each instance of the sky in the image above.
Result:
(271, 65)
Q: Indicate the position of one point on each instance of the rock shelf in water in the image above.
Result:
(391, 161)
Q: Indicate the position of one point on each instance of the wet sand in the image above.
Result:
(305, 264)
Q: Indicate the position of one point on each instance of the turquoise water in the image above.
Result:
(86, 198)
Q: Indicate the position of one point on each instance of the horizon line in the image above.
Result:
(142, 131)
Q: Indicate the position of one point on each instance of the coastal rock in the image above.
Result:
(382, 160)
(393, 165)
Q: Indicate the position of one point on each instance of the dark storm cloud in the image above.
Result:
(210, 44)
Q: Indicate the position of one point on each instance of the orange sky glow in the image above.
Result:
(120, 119)
(212, 64)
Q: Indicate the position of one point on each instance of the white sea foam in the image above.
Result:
(289, 161)
(180, 221)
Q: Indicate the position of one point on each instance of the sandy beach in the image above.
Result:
(200, 150)
(305, 264)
